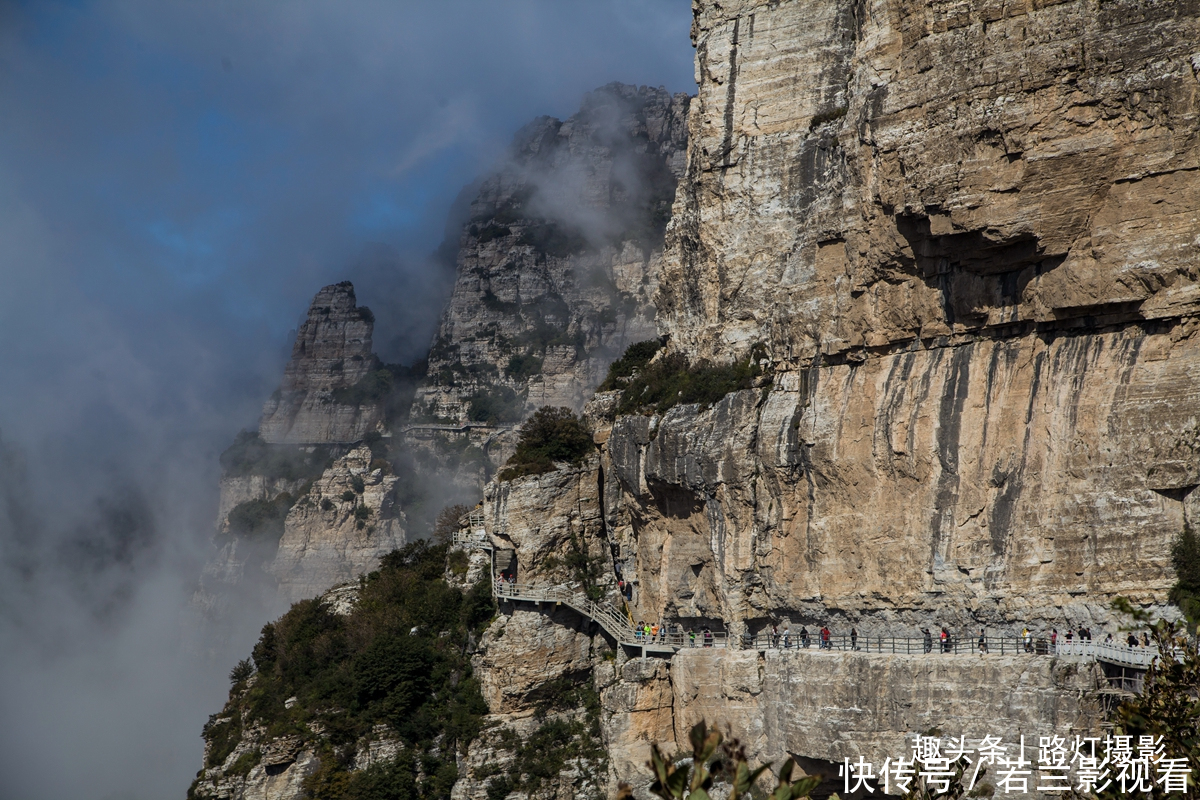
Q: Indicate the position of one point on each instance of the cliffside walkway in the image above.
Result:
(433, 428)
(670, 641)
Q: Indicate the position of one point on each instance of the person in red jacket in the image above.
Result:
(825, 637)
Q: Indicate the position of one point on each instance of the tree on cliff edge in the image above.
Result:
(1185, 557)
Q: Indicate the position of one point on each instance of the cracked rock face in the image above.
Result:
(332, 352)
(560, 259)
(339, 530)
(868, 173)
(967, 236)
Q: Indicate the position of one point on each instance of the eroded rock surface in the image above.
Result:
(340, 529)
(331, 355)
(559, 261)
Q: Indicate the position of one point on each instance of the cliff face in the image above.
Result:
(348, 521)
(964, 239)
(559, 261)
(332, 353)
(967, 239)
(865, 174)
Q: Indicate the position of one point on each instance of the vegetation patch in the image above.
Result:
(557, 743)
(635, 358)
(1185, 557)
(828, 115)
(550, 435)
(523, 367)
(250, 455)
(495, 405)
(261, 519)
(398, 659)
(670, 381)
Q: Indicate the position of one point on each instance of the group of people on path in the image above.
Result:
(650, 633)
(824, 638)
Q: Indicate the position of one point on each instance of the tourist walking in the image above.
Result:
(854, 638)
(928, 640)
(692, 637)
(708, 638)
(1027, 640)
(825, 634)
(804, 637)
(982, 641)
(944, 638)
(787, 638)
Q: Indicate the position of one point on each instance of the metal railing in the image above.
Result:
(610, 619)
(473, 538)
(1140, 657)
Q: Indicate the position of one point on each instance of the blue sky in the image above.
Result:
(177, 179)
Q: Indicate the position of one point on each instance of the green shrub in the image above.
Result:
(222, 735)
(495, 405)
(523, 367)
(635, 358)
(357, 484)
(550, 435)
(348, 496)
(250, 455)
(241, 671)
(326, 504)
(1185, 557)
(260, 519)
(362, 512)
(244, 763)
(350, 673)
(694, 776)
(671, 381)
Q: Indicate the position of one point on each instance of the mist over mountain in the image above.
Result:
(176, 181)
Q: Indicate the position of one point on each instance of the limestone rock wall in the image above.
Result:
(966, 236)
(991, 482)
(332, 351)
(869, 172)
(827, 707)
(343, 526)
(559, 261)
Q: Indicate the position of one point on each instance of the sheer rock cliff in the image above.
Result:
(559, 261)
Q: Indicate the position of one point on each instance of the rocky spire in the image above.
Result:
(316, 403)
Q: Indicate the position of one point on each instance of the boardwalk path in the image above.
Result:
(618, 626)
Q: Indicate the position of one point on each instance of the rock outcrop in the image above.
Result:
(316, 403)
(559, 261)
(340, 529)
